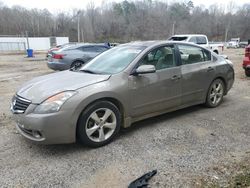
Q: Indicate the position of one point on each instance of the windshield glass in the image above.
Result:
(114, 60)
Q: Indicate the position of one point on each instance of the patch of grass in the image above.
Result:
(241, 180)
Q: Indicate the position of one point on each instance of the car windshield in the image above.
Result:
(113, 61)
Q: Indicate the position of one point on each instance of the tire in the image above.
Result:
(76, 65)
(215, 93)
(98, 124)
(247, 72)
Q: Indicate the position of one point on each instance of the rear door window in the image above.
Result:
(192, 54)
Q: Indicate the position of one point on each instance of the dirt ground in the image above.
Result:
(187, 147)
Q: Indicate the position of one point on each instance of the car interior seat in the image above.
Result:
(165, 62)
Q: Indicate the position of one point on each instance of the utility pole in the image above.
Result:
(82, 34)
(78, 25)
(173, 28)
(27, 38)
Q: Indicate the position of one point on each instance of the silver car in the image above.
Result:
(123, 85)
(74, 55)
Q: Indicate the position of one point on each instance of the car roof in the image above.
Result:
(144, 43)
(90, 44)
(152, 43)
(189, 35)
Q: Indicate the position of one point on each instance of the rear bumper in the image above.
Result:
(57, 65)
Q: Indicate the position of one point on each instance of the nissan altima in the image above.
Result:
(123, 85)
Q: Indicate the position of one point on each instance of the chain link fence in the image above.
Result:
(12, 47)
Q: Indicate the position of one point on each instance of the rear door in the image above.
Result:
(155, 92)
(197, 72)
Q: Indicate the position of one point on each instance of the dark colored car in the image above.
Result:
(74, 56)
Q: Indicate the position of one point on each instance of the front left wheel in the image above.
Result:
(98, 124)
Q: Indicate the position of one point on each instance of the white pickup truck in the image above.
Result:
(234, 43)
(200, 40)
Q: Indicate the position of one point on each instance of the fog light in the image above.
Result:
(36, 134)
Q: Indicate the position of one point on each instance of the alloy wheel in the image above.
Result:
(101, 125)
(216, 93)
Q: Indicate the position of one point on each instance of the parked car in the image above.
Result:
(246, 61)
(74, 56)
(234, 43)
(123, 85)
(201, 40)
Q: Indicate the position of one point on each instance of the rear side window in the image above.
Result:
(100, 48)
(201, 40)
(192, 54)
(178, 38)
(93, 48)
(87, 48)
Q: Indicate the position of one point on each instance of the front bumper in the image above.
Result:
(54, 128)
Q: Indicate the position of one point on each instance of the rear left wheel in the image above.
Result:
(76, 65)
(215, 93)
(99, 124)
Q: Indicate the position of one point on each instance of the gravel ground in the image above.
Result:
(185, 146)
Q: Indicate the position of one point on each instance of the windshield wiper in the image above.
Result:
(88, 71)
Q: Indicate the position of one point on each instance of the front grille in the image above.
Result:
(19, 104)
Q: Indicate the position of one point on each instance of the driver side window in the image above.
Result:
(161, 58)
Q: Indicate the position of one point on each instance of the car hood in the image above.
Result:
(40, 88)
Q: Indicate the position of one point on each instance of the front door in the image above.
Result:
(159, 91)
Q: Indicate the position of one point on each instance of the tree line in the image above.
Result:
(129, 20)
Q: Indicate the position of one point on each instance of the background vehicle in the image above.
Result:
(74, 56)
(201, 40)
(243, 44)
(234, 43)
(123, 85)
(246, 61)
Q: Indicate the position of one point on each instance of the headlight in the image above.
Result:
(54, 103)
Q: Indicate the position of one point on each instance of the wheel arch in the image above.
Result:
(113, 100)
(216, 51)
(75, 60)
(223, 80)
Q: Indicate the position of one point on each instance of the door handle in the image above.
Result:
(209, 69)
(175, 77)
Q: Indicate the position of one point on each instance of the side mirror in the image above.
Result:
(145, 69)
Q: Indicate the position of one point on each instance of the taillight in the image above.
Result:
(58, 56)
(247, 51)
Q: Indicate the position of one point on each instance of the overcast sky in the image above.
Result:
(62, 5)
